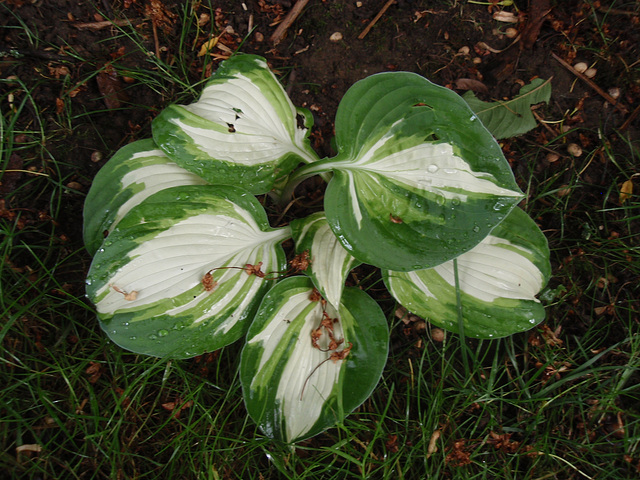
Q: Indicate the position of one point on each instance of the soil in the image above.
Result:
(72, 69)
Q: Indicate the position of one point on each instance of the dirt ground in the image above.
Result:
(73, 63)
(75, 69)
(64, 51)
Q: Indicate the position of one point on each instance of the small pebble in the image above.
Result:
(437, 334)
(580, 67)
(552, 157)
(511, 32)
(335, 37)
(574, 149)
(590, 72)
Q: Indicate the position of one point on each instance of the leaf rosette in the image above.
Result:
(419, 187)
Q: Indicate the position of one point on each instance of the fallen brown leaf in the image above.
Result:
(432, 448)
(111, 88)
(471, 84)
(177, 407)
(29, 447)
(160, 16)
(208, 46)
(503, 442)
(606, 310)
(551, 336)
(504, 16)
(458, 455)
(58, 70)
(626, 190)
(538, 11)
(94, 370)
(59, 106)
(392, 443)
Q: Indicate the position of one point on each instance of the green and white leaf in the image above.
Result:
(418, 180)
(148, 282)
(513, 117)
(243, 130)
(294, 390)
(499, 280)
(135, 172)
(330, 263)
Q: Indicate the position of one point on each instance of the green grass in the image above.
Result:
(73, 405)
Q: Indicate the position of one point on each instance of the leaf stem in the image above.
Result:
(304, 172)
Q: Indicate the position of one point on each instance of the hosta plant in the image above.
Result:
(186, 261)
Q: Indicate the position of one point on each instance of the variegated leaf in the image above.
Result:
(181, 273)
(135, 172)
(243, 130)
(498, 281)
(329, 262)
(306, 365)
(418, 180)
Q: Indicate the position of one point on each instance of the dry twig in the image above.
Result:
(630, 119)
(277, 36)
(100, 25)
(376, 18)
(587, 80)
